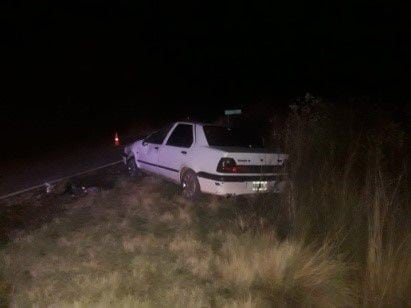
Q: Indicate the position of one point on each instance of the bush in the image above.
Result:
(349, 184)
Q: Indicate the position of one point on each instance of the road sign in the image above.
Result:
(232, 111)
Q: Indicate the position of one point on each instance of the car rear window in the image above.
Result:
(234, 137)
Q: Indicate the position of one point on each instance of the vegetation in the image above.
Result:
(338, 237)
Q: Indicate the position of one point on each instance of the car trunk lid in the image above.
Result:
(254, 160)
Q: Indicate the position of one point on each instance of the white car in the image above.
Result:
(205, 158)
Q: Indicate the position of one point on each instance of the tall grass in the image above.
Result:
(350, 185)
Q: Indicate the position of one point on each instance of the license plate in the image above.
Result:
(260, 186)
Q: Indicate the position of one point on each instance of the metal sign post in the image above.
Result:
(231, 112)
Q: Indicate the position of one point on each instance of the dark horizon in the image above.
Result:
(83, 65)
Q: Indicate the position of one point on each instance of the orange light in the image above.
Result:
(116, 140)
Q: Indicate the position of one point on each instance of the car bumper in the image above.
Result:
(242, 185)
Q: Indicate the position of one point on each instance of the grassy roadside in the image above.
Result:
(141, 244)
(339, 236)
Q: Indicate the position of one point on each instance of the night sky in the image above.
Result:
(70, 65)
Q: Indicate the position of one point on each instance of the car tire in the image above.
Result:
(190, 185)
(132, 169)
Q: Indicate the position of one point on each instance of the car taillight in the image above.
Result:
(227, 165)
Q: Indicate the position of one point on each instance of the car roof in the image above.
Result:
(191, 122)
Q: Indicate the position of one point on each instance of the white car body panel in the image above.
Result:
(169, 162)
(149, 153)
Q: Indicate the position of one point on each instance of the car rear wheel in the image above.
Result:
(190, 185)
(132, 169)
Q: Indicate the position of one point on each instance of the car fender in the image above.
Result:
(207, 160)
(132, 151)
(197, 158)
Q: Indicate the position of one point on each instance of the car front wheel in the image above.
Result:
(132, 169)
(190, 185)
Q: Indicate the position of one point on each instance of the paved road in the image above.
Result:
(24, 173)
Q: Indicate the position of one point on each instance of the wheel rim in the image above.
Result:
(131, 167)
(189, 185)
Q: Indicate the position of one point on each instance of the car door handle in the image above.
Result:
(184, 152)
(156, 148)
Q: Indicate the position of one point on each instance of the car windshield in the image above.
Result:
(233, 137)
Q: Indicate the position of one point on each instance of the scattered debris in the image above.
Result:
(49, 187)
(91, 190)
(75, 190)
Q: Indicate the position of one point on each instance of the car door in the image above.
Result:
(176, 151)
(150, 149)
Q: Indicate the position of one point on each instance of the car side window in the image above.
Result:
(182, 136)
(158, 137)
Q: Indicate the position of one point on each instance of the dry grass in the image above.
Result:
(357, 194)
(339, 237)
(132, 247)
(284, 273)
